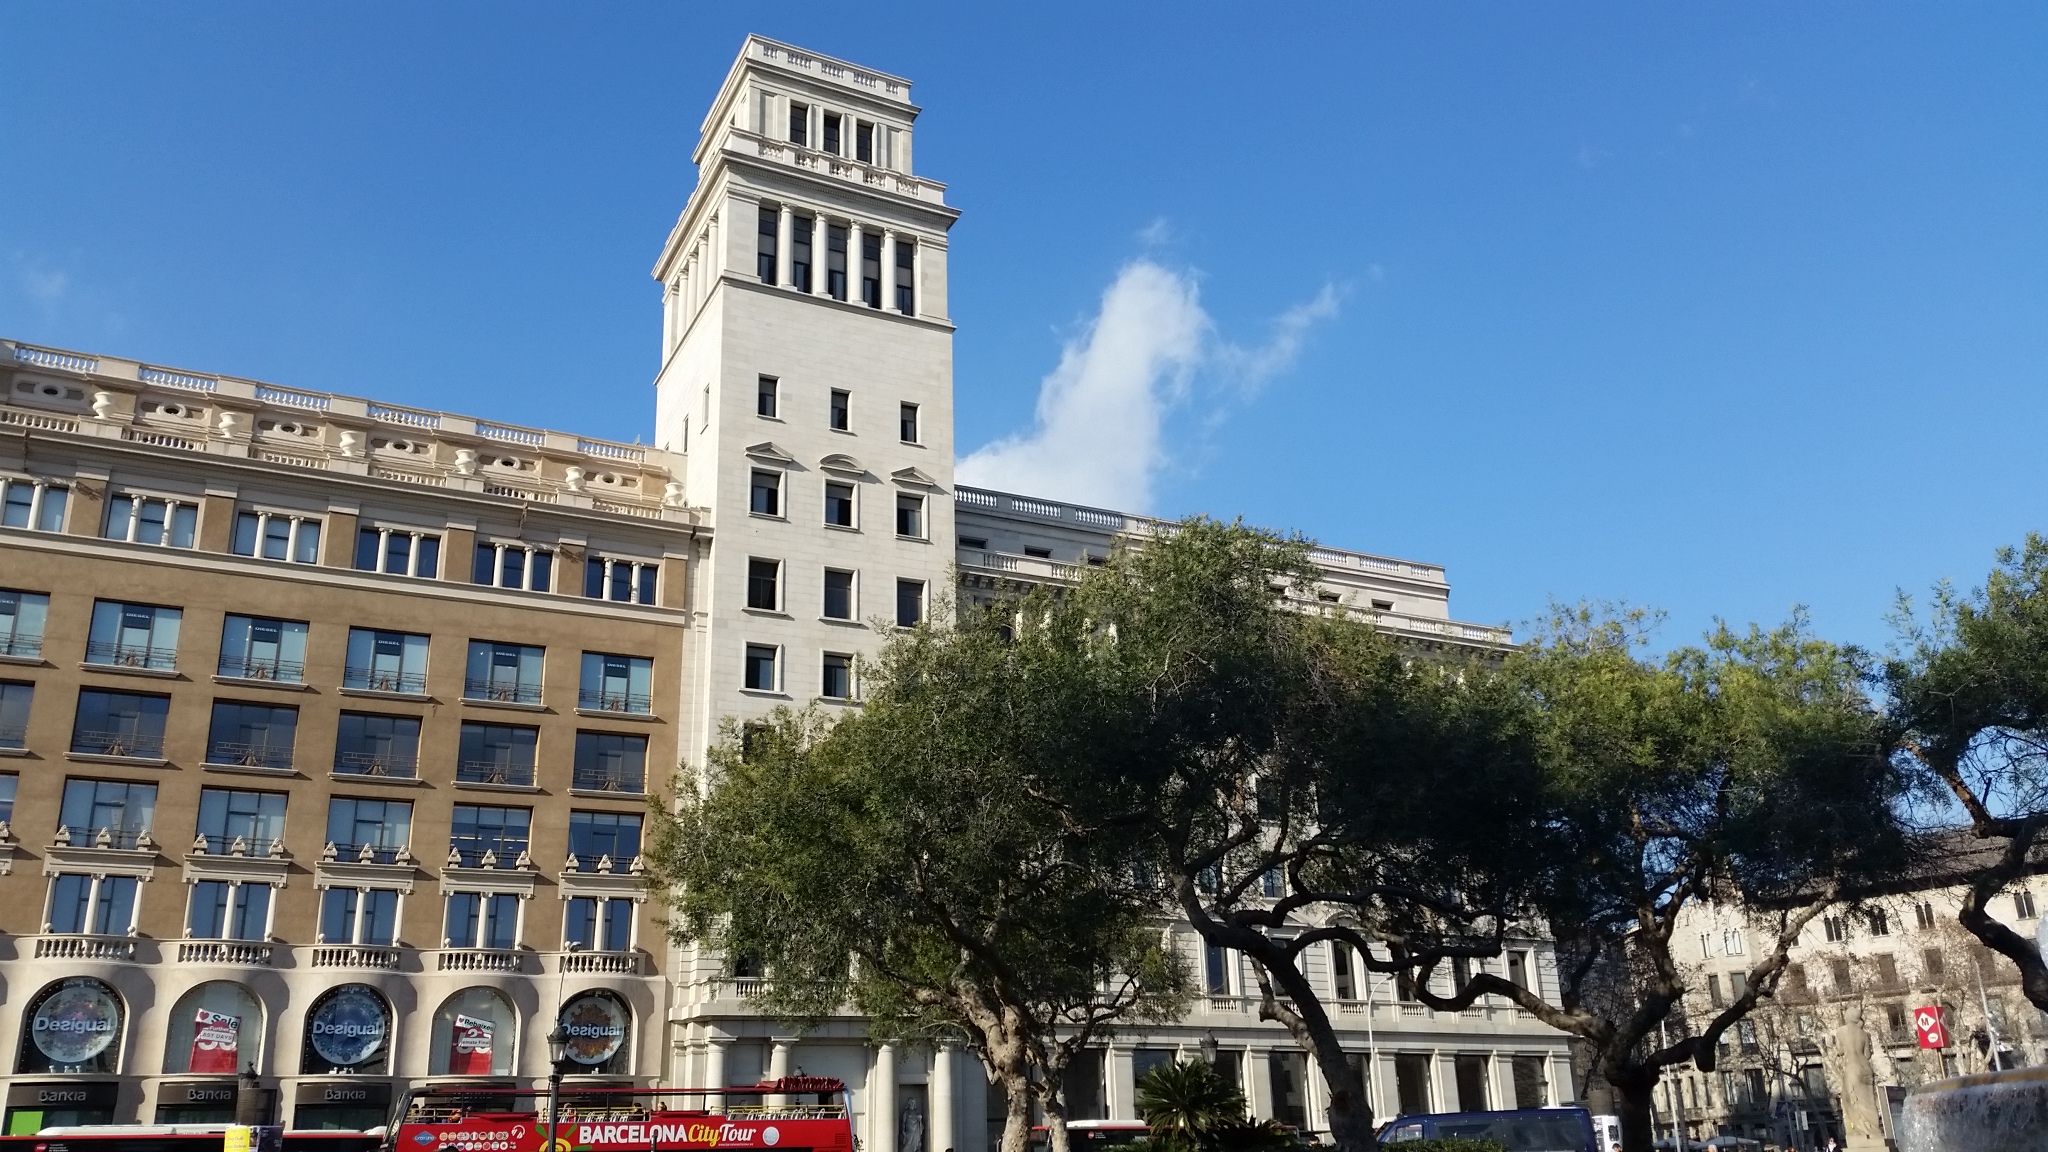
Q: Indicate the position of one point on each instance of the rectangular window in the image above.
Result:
(517, 566)
(909, 603)
(1923, 915)
(836, 677)
(221, 910)
(32, 504)
(260, 648)
(398, 552)
(596, 836)
(1844, 976)
(906, 271)
(832, 134)
(765, 397)
(133, 635)
(864, 142)
(21, 622)
(799, 124)
(98, 906)
(15, 698)
(1933, 964)
(907, 422)
(497, 754)
(152, 520)
(760, 670)
(764, 253)
(1216, 970)
(762, 577)
(1887, 970)
(1518, 970)
(482, 920)
(839, 504)
(838, 594)
(841, 417)
(371, 745)
(120, 811)
(800, 252)
(2023, 904)
(479, 828)
(1342, 965)
(620, 581)
(1836, 928)
(369, 831)
(613, 683)
(871, 269)
(611, 762)
(367, 916)
(120, 724)
(386, 662)
(507, 673)
(766, 496)
(275, 536)
(835, 261)
(1714, 996)
(910, 516)
(597, 924)
(234, 821)
(251, 735)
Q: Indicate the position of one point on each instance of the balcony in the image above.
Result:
(501, 692)
(229, 753)
(108, 836)
(625, 703)
(13, 735)
(223, 952)
(114, 654)
(376, 764)
(471, 851)
(479, 960)
(494, 772)
(366, 853)
(129, 745)
(626, 781)
(599, 963)
(282, 671)
(358, 956)
(68, 947)
(384, 680)
(223, 845)
(21, 646)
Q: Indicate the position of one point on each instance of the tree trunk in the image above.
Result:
(1634, 1104)
(1055, 1110)
(1016, 1088)
(1350, 1115)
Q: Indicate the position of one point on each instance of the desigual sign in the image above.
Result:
(596, 1026)
(348, 1027)
(76, 1022)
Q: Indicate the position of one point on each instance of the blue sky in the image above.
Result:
(1715, 308)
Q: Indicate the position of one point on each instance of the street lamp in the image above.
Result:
(558, 1049)
(1208, 1048)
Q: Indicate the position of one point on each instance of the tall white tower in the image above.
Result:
(807, 374)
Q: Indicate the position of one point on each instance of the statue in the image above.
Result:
(910, 1129)
(1849, 1045)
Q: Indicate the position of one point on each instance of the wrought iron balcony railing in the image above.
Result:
(114, 654)
(376, 764)
(142, 745)
(501, 692)
(600, 701)
(383, 680)
(242, 668)
(628, 781)
(240, 755)
(494, 772)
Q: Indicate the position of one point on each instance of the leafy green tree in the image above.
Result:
(916, 861)
(1970, 702)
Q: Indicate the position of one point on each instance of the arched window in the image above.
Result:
(348, 1030)
(72, 1025)
(600, 1028)
(215, 1027)
(476, 1033)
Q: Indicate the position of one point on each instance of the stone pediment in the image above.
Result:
(913, 478)
(768, 450)
(842, 464)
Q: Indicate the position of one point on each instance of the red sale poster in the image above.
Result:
(469, 1047)
(215, 1041)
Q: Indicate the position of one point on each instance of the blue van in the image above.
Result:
(1522, 1130)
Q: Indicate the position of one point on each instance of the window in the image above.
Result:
(1835, 928)
(623, 581)
(611, 762)
(1880, 924)
(836, 677)
(398, 552)
(1404, 986)
(482, 920)
(909, 603)
(832, 134)
(371, 745)
(799, 256)
(1714, 996)
(152, 520)
(616, 683)
(839, 503)
(229, 910)
(1923, 915)
(835, 261)
(1745, 1033)
(479, 828)
(760, 670)
(359, 916)
(386, 662)
(910, 516)
(765, 397)
(371, 831)
(133, 636)
(1932, 963)
(596, 924)
(597, 836)
(497, 754)
(764, 249)
(14, 704)
(2023, 904)
(1518, 970)
(1271, 883)
(508, 673)
(119, 810)
(275, 536)
(871, 269)
(762, 578)
(1731, 942)
(907, 423)
(251, 735)
(1216, 970)
(864, 141)
(765, 498)
(232, 816)
(974, 542)
(95, 905)
(1844, 976)
(799, 123)
(21, 622)
(838, 594)
(518, 566)
(1887, 970)
(1738, 984)
(260, 648)
(1037, 552)
(906, 265)
(1343, 967)
(1461, 974)
(32, 504)
(119, 724)
(842, 409)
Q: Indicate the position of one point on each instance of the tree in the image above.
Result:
(923, 839)
(1749, 772)
(1970, 702)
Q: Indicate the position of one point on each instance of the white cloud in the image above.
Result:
(1100, 430)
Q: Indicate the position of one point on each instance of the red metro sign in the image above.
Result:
(1929, 1028)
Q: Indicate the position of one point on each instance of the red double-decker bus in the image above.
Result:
(793, 1114)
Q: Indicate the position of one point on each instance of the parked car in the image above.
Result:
(1520, 1130)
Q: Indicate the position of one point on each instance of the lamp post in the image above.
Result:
(1208, 1049)
(558, 1048)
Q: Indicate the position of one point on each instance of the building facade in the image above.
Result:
(328, 724)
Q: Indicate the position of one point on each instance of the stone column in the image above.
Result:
(882, 1100)
(853, 275)
(1443, 1082)
(821, 256)
(778, 1067)
(1117, 1102)
(714, 1069)
(889, 270)
(1258, 1089)
(943, 1136)
(785, 232)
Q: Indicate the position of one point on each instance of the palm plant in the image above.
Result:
(1188, 1106)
